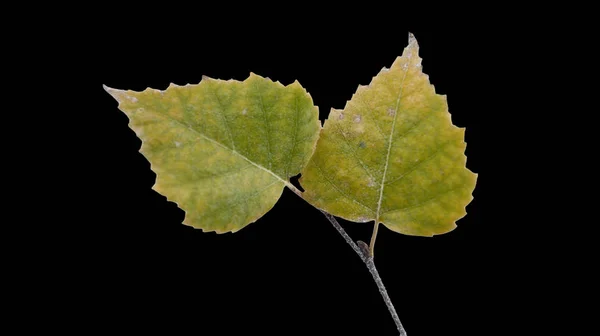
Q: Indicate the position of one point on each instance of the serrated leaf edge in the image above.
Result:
(115, 92)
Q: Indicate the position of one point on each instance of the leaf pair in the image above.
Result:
(224, 150)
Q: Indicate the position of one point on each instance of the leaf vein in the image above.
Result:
(374, 120)
(344, 194)
(414, 206)
(222, 115)
(240, 200)
(222, 146)
(266, 124)
(352, 150)
(223, 174)
(291, 156)
(415, 166)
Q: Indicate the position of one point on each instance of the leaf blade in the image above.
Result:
(211, 145)
(391, 148)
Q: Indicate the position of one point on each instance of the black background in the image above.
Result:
(290, 272)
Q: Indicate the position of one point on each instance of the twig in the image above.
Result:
(365, 254)
(367, 258)
(342, 232)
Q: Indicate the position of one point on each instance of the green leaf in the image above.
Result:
(223, 150)
(393, 155)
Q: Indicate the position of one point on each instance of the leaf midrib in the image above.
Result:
(223, 146)
(387, 158)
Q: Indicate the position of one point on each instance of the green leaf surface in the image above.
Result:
(392, 155)
(223, 150)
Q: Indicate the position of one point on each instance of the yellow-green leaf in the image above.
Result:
(392, 155)
(223, 150)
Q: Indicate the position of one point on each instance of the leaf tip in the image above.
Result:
(411, 38)
(412, 44)
(108, 89)
(115, 93)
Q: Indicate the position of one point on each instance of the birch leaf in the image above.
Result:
(392, 155)
(223, 150)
